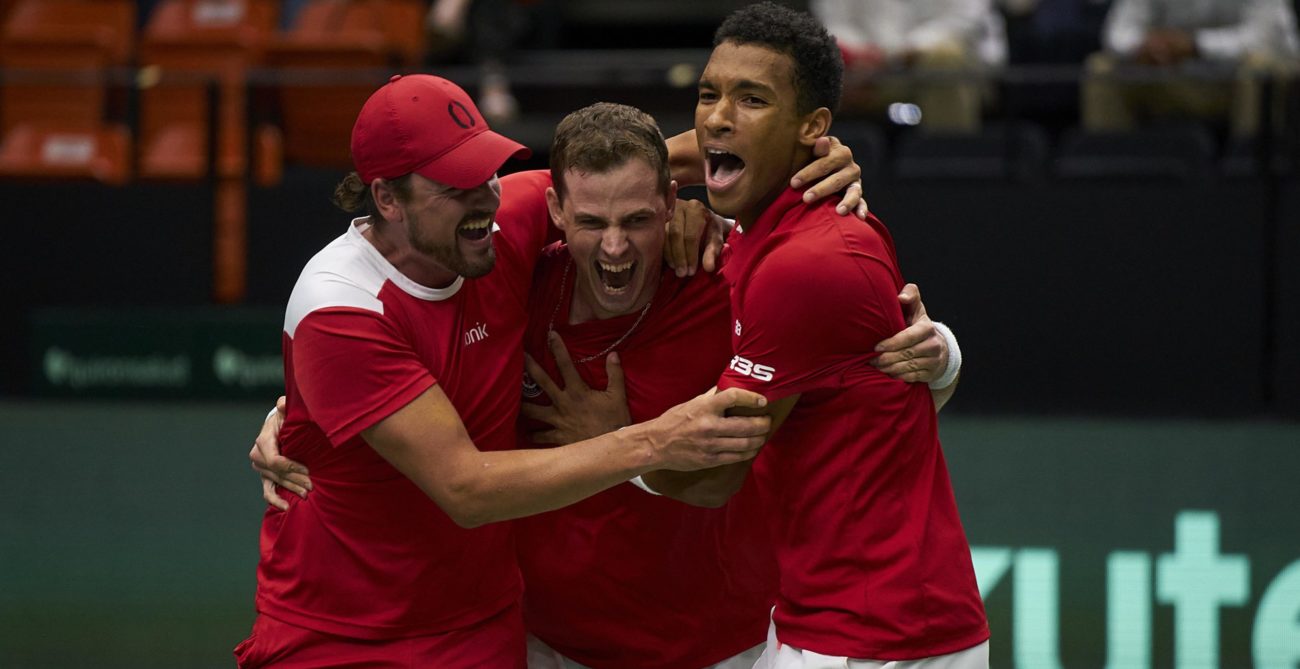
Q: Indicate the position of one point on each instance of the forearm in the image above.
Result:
(685, 164)
(710, 488)
(501, 485)
(427, 443)
(942, 396)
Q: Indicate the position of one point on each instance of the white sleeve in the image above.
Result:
(640, 483)
(842, 20)
(954, 359)
(960, 21)
(1267, 26)
(1126, 26)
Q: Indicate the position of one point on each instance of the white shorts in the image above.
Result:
(542, 656)
(785, 656)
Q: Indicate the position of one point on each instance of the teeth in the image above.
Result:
(615, 268)
(479, 225)
(716, 152)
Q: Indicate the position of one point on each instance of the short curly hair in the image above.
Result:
(818, 67)
(604, 136)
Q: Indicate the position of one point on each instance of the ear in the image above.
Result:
(553, 205)
(814, 125)
(386, 200)
(671, 198)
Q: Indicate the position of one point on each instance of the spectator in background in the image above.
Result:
(945, 43)
(493, 30)
(1053, 31)
(1224, 50)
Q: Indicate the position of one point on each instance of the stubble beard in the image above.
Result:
(449, 255)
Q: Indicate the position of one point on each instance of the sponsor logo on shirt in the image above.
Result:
(531, 389)
(748, 368)
(737, 327)
(475, 334)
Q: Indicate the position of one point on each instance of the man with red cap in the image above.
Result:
(403, 357)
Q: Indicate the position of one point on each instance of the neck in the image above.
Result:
(583, 308)
(396, 249)
(747, 218)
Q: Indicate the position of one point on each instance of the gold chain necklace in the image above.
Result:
(564, 281)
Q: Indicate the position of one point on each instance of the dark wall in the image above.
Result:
(90, 244)
(1134, 297)
(1286, 312)
(287, 225)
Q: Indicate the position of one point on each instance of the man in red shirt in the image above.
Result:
(625, 579)
(874, 564)
(402, 363)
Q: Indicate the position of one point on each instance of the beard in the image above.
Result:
(448, 254)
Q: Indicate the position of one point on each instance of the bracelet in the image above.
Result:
(954, 359)
(640, 483)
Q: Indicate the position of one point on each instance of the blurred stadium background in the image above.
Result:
(1125, 443)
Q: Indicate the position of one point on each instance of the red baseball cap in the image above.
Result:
(427, 125)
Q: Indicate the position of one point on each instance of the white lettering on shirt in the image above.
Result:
(477, 333)
(748, 368)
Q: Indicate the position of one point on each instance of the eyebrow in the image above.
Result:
(743, 84)
(640, 213)
(584, 217)
(748, 84)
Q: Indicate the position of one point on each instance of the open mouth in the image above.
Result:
(615, 278)
(722, 168)
(476, 229)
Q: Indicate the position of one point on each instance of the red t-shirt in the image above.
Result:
(873, 560)
(367, 554)
(624, 579)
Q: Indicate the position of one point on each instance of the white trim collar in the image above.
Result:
(408, 285)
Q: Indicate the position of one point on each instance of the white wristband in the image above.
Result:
(640, 483)
(954, 359)
(270, 413)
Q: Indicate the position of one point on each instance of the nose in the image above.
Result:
(718, 118)
(613, 242)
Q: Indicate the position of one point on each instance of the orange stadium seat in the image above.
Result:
(364, 36)
(190, 48)
(395, 26)
(316, 115)
(186, 45)
(56, 55)
(403, 22)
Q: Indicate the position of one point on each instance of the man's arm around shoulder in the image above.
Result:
(711, 488)
(427, 442)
